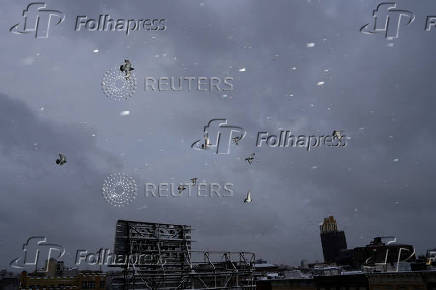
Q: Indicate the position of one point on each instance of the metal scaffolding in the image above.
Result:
(160, 257)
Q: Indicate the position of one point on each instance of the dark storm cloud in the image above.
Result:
(38, 196)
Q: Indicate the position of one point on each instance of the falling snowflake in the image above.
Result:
(95, 51)
(396, 160)
(242, 69)
(125, 113)
(117, 86)
(119, 189)
(294, 68)
(310, 44)
(321, 83)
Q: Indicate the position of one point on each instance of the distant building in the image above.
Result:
(8, 280)
(266, 271)
(57, 277)
(291, 284)
(332, 240)
(431, 257)
(378, 256)
(423, 280)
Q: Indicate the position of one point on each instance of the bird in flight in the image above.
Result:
(250, 158)
(194, 180)
(248, 198)
(237, 139)
(337, 134)
(61, 160)
(126, 68)
(181, 188)
(206, 142)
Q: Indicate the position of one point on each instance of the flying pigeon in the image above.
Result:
(61, 160)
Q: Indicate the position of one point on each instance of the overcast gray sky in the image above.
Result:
(379, 92)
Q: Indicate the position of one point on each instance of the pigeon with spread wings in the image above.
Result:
(181, 188)
(250, 158)
(126, 68)
(237, 139)
(338, 134)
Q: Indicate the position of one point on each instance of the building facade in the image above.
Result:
(333, 241)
